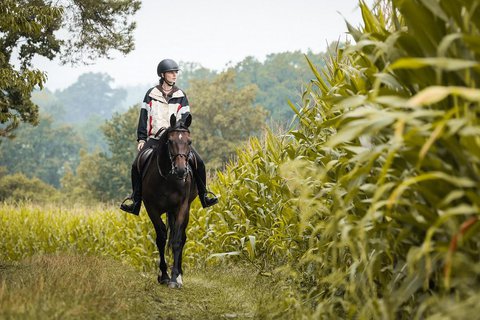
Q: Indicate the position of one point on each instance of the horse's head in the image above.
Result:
(179, 146)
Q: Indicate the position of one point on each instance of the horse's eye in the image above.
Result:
(189, 142)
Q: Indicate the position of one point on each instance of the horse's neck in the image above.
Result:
(160, 150)
(163, 157)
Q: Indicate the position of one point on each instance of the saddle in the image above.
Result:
(143, 160)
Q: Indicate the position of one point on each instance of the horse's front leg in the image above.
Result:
(178, 242)
(184, 240)
(161, 241)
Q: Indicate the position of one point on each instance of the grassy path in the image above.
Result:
(80, 287)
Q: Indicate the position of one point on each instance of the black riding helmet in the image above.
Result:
(166, 65)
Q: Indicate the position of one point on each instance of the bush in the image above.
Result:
(17, 187)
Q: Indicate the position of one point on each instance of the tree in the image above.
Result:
(29, 28)
(42, 151)
(223, 117)
(190, 71)
(48, 104)
(91, 95)
(281, 77)
(105, 176)
(85, 104)
(78, 184)
(113, 180)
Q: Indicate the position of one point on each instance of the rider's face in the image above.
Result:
(171, 76)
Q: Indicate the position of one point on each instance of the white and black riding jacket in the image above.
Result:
(156, 111)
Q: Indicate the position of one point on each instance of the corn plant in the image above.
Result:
(389, 196)
(252, 221)
(29, 230)
(378, 184)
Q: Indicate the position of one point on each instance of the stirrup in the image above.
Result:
(133, 208)
(208, 202)
(210, 192)
(130, 197)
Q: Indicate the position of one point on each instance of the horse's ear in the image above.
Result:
(173, 120)
(188, 120)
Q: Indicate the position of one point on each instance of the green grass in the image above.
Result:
(92, 287)
(60, 287)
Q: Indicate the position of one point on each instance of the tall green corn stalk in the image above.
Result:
(387, 187)
(371, 206)
(254, 221)
(28, 230)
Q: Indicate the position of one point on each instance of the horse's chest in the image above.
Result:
(171, 195)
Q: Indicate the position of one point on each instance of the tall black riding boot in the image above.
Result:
(136, 197)
(201, 182)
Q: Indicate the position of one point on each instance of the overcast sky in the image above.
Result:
(216, 33)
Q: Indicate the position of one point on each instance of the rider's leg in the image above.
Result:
(136, 196)
(136, 185)
(201, 182)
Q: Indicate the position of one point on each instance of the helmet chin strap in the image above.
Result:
(171, 84)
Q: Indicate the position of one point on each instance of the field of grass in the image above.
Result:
(92, 287)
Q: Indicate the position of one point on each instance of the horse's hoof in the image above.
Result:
(174, 285)
(163, 279)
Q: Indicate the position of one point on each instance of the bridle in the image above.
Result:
(173, 156)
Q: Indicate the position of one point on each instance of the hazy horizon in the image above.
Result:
(215, 34)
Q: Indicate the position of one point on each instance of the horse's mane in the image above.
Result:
(163, 136)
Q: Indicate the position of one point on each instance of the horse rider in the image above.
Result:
(159, 103)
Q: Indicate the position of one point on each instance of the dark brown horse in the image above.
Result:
(168, 187)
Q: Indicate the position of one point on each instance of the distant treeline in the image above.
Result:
(85, 140)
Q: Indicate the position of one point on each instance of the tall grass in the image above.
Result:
(29, 229)
(73, 287)
(66, 286)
